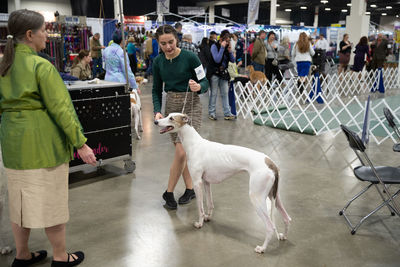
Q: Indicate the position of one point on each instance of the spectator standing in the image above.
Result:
(321, 47)
(302, 53)
(213, 38)
(271, 64)
(344, 53)
(259, 53)
(187, 44)
(205, 55)
(362, 51)
(238, 49)
(380, 52)
(95, 51)
(221, 54)
(152, 56)
(131, 49)
(178, 28)
(114, 62)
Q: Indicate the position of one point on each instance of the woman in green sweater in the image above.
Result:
(39, 130)
(183, 74)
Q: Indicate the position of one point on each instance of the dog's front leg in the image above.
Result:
(137, 119)
(199, 197)
(210, 203)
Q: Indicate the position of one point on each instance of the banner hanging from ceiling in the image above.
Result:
(252, 13)
(162, 6)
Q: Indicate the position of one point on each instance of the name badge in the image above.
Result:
(200, 72)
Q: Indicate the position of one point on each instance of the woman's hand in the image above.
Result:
(158, 116)
(194, 86)
(87, 155)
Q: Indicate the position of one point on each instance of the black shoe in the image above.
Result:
(170, 202)
(187, 196)
(22, 263)
(78, 258)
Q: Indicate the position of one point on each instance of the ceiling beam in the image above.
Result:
(221, 3)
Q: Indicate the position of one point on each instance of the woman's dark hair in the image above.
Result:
(19, 22)
(344, 35)
(270, 33)
(204, 42)
(83, 53)
(363, 40)
(117, 36)
(166, 29)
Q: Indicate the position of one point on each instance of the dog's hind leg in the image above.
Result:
(260, 186)
(140, 120)
(209, 200)
(285, 216)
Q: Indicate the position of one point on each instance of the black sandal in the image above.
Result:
(77, 260)
(22, 263)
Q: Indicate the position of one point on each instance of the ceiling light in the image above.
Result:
(327, 9)
(384, 14)
(303, 7)
(288, 10)
(278, 5)
(367, 13)
(372, 5)
(324, 1)
(388, 7)
(344, 10)
(349, 4)
(397, 16)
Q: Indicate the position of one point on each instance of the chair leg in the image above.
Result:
(384, 203)
(393, 209)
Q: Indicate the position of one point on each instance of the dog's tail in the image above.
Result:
(275, 169)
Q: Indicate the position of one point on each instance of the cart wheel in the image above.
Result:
(130, 166)
(100, 170)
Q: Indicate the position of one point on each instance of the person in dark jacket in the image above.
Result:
(362, 49)
(205, 54)
(380, 52)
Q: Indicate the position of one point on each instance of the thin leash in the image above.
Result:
(184, 105)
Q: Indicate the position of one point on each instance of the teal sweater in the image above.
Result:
(176, 74)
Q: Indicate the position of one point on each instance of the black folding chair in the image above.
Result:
(374, 176)
(390, 119)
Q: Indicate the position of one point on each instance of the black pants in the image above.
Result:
(133, 63)
(271, 69)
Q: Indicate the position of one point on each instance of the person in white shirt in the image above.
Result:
(302, 53)
(321, 47)
(322, 43)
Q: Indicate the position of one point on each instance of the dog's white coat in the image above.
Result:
(211, 163)
(136, 112)
(3, 188)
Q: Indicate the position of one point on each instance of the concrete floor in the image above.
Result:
(118, 219)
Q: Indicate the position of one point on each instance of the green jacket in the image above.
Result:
(259, 52)
(39, 126)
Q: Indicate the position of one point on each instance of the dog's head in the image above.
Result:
(172, 123)
(140, 80)
(250, 68)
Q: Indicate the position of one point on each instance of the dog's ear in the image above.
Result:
(185, 118)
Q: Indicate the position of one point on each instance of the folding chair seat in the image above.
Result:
(390, 119)
(380, 176)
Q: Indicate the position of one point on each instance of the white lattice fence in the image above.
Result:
(341, 101)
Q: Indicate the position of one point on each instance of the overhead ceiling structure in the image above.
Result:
(375, 7)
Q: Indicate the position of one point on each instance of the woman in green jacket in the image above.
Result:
(39, 130)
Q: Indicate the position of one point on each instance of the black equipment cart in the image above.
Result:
(103, 109)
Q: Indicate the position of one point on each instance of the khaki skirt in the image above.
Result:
(175, 102)
(38, 198)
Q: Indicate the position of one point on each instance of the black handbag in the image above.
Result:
(223, 73)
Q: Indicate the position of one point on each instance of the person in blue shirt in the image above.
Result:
(131, 48)
(152, 56)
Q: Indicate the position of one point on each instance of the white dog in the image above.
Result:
(211, 163)
(136, 107)
(3, 188)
